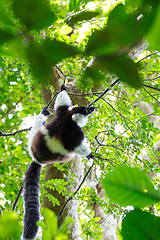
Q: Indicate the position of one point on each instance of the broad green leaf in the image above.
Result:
(16, 48)
(99, 43)
(129, 186)
(66, 224)
(123, 67)
(94, 74)
(66, 30)
(43, 57)
(51, 221)
(5, 15)
(82, 16)
(57, 50)
(40, 62)
(5, 36)
(122, 29)
(74, 5)
(9, 226)
(34, 14)
(140, 225)
(134, 4)
(153, 36)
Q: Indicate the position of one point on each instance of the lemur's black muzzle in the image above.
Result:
(90, 110)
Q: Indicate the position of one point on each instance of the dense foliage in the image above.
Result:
(34, 36)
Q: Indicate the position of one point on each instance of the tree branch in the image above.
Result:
(104, 92)
(14, 133)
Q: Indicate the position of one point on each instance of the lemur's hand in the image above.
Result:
(90, 156)
(63, 87)
(45, 111)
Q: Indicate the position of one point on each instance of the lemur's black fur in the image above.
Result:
(31, 200)
(49, 143)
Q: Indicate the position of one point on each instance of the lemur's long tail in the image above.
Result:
(31, 201)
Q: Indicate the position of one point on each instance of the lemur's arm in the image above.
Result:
(39, 121)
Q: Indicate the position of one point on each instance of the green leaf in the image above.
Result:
(82, 16)
(123, 67)
(34, 14)
(74, 5)
(66, 224)
(140, 225)
(40, 62)
(5, 36)
(5, 15)
(153, 36)
(51, 221)
(57, 50)
(92, 73)
(122, 29)
(43, 57)
(134, 4)
(9, 226)
(129, 186)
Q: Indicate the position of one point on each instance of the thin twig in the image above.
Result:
(70, 198)
(149, 55)
(52, 99)
(104, 92)
(148, 86)
(1, 212)
(83, 94)
(152, 79)
(16, 199)
(62, 74)
(121, 116)
(14, 133)
(151, 95)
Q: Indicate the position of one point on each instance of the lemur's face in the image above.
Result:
(86, 110)
(83, 110)
(80, 115)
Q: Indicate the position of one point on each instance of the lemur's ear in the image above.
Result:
(45, 111)
(63, 87)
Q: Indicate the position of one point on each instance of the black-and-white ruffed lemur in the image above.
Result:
(52, 142)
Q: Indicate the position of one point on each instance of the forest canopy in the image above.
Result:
(107, 54)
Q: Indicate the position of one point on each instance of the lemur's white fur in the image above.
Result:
(52, 143)
(62, 99)
(39, 121)
(80, 119)
(83, 149)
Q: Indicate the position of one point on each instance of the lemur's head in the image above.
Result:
(80, 115)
